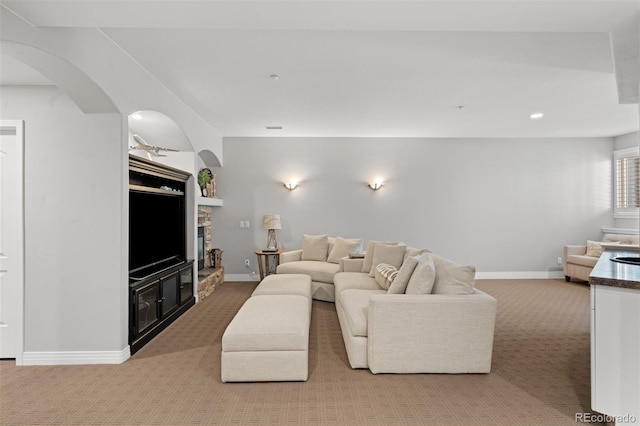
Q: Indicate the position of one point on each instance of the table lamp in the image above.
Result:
(271, 222)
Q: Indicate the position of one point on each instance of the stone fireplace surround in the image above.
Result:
(208, 277)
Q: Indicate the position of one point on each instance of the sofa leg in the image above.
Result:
(567, 278)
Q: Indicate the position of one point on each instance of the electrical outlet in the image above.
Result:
(246, 263)
(242, 224)
(559, 261)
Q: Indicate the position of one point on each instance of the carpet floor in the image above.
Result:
(540, 374)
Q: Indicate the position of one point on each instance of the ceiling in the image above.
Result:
(359, 68)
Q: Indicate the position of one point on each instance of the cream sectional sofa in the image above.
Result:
(579, 260)
(404, 333)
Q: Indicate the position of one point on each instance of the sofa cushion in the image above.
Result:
(322, 272)
(368, 256)
(353, 280)
(385, 274)
(581, 259)
(391, 254)
(621, 238)
(315, 247)
(355, 305)
(399, 284)
(452, 278)
(423, 277)
(342, 247)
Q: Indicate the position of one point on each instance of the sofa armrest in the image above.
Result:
(430, 333)
(291, 256)
(574, 249)
(348, 264)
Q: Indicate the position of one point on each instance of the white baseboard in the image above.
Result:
(240, 277)
(520, 275)
(76, 357)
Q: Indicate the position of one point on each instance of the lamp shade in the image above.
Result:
(271, 221)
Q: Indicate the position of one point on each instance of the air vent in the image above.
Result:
(273, 127)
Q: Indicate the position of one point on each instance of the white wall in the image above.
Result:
(75, 297)
(504, 205)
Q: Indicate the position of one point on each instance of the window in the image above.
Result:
(627, 183)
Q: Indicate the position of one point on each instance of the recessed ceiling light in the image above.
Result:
(136, 116)
(274, 76)
(273, 127)
(536, 116)
(460, 107)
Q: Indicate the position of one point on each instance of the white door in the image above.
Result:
(11, 239)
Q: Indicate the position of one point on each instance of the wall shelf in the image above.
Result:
(204, 201)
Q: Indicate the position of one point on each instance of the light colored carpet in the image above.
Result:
(540, 374)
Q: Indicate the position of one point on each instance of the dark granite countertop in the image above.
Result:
(616, 274)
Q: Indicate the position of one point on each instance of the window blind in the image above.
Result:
(628, 182)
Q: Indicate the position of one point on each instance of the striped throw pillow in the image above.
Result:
(385, 274)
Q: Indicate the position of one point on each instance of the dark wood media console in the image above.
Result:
(157, 300)
(161, 278)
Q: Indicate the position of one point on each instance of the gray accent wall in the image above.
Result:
(507, 206)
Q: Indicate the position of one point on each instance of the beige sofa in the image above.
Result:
(401, 333)
(579, 261)
(412, 333)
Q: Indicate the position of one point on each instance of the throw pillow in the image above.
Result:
(368, 255)
(385, 275)
(452, 278)
(411, 252)
(389, 254)
(595, 248)
(399, 284)
(314, 247)
(344, 247)
(423, 277)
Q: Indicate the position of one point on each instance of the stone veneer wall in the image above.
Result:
(205, 214)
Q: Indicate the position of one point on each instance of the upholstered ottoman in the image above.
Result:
(268, 338)
(291, 284)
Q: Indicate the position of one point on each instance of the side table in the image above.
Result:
(263, 261)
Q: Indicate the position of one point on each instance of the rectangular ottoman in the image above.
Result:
(268, 338)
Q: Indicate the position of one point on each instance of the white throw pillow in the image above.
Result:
(344, 247)
(399, 284)
(595, 248)
(385, 275)
(452, 278)
(314, 247)
(389, 254)
(368, 255)
(423, 277)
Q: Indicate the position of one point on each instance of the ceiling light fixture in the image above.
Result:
(274, 77)
(536, 116)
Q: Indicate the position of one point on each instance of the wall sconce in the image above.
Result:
(291, 185)
(376, 184)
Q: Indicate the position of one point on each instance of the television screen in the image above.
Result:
(156, 228)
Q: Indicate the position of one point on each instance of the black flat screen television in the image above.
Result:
(156, 231)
